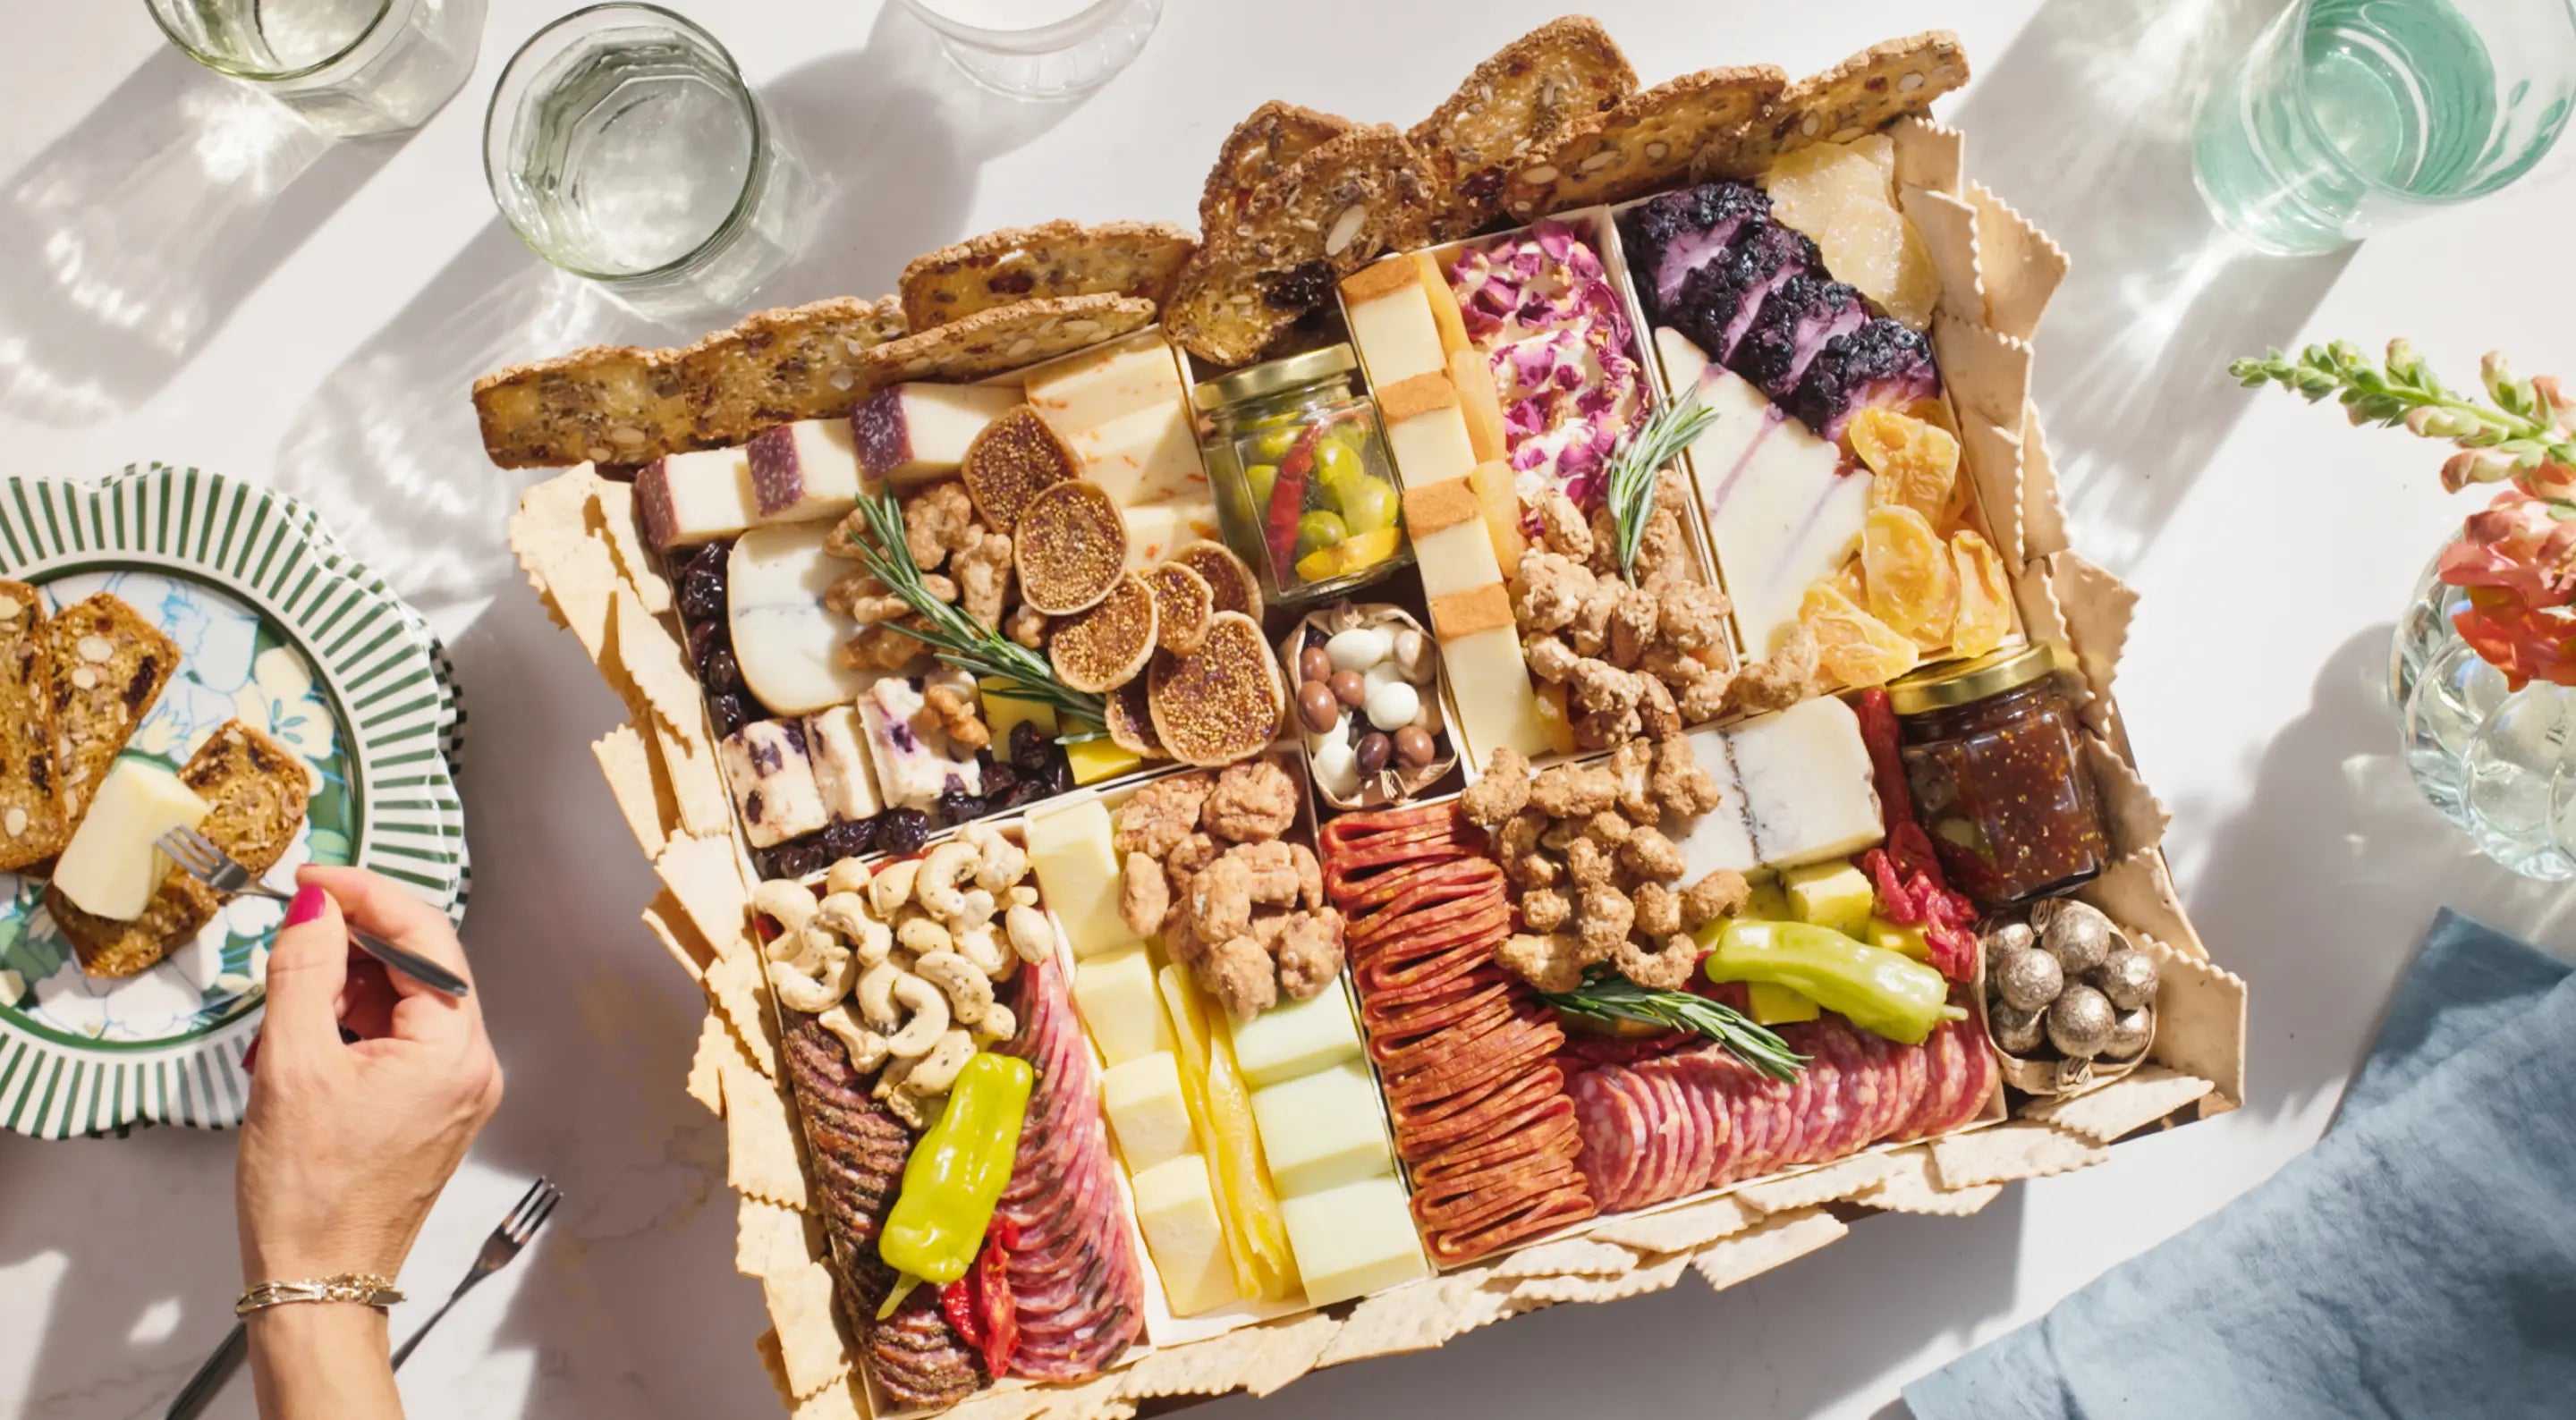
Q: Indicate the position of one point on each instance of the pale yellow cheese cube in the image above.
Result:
(1155, 533)
(111, 868)
(1297, 1038)
(1431, 446)
(1830, 894)
(1457, 558)
(1323, 1130)
(1395, 331)
(1078, 875)
(1490, 683)
(1145, 458)
(1115, 996)
(1177, 1209)
(1089, 388)
(1146, 1109)
(1354, 1240)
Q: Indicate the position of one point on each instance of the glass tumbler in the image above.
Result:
(1040, 49)
(2347, 116)
(624, 147)
(350, 67)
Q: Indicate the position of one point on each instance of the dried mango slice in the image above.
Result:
(1853, 582)
(1913, 463)
(1913, 584)
(1844, 196)
(1221, 1108)
(1854, 647)
(1985, 597)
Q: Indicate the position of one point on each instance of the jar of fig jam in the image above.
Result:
(1995, 756)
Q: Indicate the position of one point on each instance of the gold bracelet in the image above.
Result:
(363, 1287)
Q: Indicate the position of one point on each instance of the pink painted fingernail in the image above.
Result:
(306, 907)
(250, 1057)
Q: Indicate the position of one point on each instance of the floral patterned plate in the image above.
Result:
(280, 628)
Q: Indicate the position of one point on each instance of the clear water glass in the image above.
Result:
(1040, 49)
(624, 147)
(350, 67)
(2511, 778)
(2453, 695)
(2349, 115)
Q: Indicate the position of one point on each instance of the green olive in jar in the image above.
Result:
(1318, 530)
(1367, 504)
(1258, 479)
(1272, 444)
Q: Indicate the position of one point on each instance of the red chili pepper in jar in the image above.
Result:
(1288, 499)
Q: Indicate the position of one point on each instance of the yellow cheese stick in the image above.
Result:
(1255, 1224)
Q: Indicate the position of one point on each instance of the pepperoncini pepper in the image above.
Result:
(955, 1176)
(1880, 991)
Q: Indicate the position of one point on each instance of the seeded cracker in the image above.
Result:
(1862, 94)
(1221, 702)
(1653, 1277)
(1911, 1189)
(1824, 1185)
(620, 405)
(2007, 1152)
(762, 1158)
(33, 826)
(1517, 103)
(628, 767)
(1070, 547)
(1015, 458)
(109, 669)
(1054, 259)
(1005, 338)
(1682, 1228)
(1783, 1237)
(1106, 646)
(1644, 143)
(1258, 150)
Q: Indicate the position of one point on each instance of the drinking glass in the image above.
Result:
(351, 67)
(624, 147)
(2350, 115)
(1040, 49)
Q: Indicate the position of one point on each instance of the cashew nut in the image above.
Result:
(811, 994)
(936, 885)
(933, 1073)
(843, 912)
(810, 949)
(921, 934)
(876, 994)
(1031, 936)
(874, 942)
(867, 1048)
(970, 991)
(891, 888)
(791, 903)
(998, 1024)
(929, 1016)
(1004, 862)
(1021, 895)
(976, 911)
(848, 875)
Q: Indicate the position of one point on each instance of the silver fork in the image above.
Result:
(200, 858)
(533, 1208)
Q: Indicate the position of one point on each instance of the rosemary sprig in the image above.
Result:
(957, 639)
(1656, 443)
(2521, 431)
(1613, 998)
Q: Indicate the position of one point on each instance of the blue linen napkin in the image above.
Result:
(2420, 1260)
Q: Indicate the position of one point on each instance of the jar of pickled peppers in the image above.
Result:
(1303, 484)
(1995, 756)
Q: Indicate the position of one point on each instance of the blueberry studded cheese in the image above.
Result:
(772, 776)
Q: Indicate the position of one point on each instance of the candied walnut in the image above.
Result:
(1548, 590)
(1162, 814)
(1632, 625)
(1545, 909)
(1589, 864)
(1562, 528)
(1310, 876)
(881, 648)
(983, 572)
(1650, 854)
(1678, 784)
(1632, 767)
(1253, 802)
(1608, 829)
(1606, 728)
(1550, 659)
(1788, 677)
(940, 587)
(1659, 909)
(957, 717)
(863, 599)
(1240, 974)
(1223, 894)
(1693, 617)
(937, 521)
(1703, 696)
(1028, 626)
(1310, 953)
(1589, 632)
(1604, 915)
(1144, 895)
(1722, 893)
(1501, 793)
(1533, 870)
(1185, 948)
(1658, 714)
(1600, 688)
(1552, 962)
(1573, 791)
(1561, 833)
(1665, 969)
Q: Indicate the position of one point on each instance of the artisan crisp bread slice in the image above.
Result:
(33, 825)
(621, 405)
(255, 791)
(1863, 94)
(1258, 150)
(1003, 338)
(1520, 101)
(1054, 259)
(1648, 141)
(110, 667)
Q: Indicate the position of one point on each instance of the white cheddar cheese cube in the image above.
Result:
(112, 866)
(1115, 994)
(1720, 838)
(1078, 875)
(1145, 458)
(1155, 533)
(1457, 558)
(1177, 1209)
(773, 781)
(786, 641)
(1808, 792)
(688, 499)
(1297, 1038)
(1431, 446)
(1490, 682)
(803, 471)
(837, 743)
(1323, 1130)
(1147, 1110)
(911, 434)
(1354, 1240)
(1397, 334)
(1089, 388)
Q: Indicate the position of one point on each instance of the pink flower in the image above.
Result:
(2525, 642)
(2519, 543)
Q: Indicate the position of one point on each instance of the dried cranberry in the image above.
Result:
(957, 806)
(719, 670)
(729, 712)
(702, 639)
(702, 594)
(1000, 779)
(902, 830)
(799, 857)
(850, 837)
(1029, 747)
(1059, 777)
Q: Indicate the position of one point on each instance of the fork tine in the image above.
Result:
(528, 1200)
(537, 1219)
(181, 845)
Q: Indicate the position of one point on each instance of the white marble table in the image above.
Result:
(180, 280)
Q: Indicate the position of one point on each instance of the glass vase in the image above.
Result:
(2498, 762)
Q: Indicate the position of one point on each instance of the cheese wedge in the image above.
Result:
(688, 499)
(837, 743)
(1832, 893)
(786, 641)
(1354, 1240)
(1145, 458)
(1147, 1110)
(1078, 875)
(1116, 995)
(1397, 334)
(1323, 1130)
(1431, 446)
(111, 867)
(1489, 681)
(910, 434)
(1793, 788)
(1089, 388)
(803, 471)
(1176, 1207)
(774, 786)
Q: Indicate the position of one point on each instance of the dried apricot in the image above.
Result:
(1913, 463)
(1852, 582)
(1853, 646)
(1913, 584)
(1985, 597)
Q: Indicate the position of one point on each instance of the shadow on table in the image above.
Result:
(2320, 887)
(2085, 126)
(128, 242)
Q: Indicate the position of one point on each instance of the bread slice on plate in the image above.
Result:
(33, 826)
(255, 791)
(109, 668)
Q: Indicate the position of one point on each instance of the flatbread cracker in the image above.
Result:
(650, 655)
(688, 766)
(1574, 1257)
(1984, 370)
(2043, 512)
(1652, 1277)
(1912, 1189)
(1948, 227)
(2098, 607)
(843, 1399)
(1417, 1316)
(811, 1351)
(705, 874)
(578, 577)
(1682, 1228)
(1825, 1185)
(1783, 1237)
(706, 1066)
(612, 513)
(2132, 817)
(1519, 102)
(1649, 140)
(1259, 149)
(2022, 266)
(2010, 1151)
(670, 925)
(1003, 338)
(1927, 154)
(2200, 1023)
(1209, 1367)
(771, 1241)
(1868, 91)
(1991, 458)
(740, 989)
(1288, 1350)
(2138, 892)
(2141, 1098)
(620, 405)
(763, 1155)
(628, 767)
(549, 514)
(2035, 597)
(1049, 261)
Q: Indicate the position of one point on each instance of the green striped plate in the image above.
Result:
(279, 627)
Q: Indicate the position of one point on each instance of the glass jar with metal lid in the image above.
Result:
(1303, 484)
(1995, 756)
